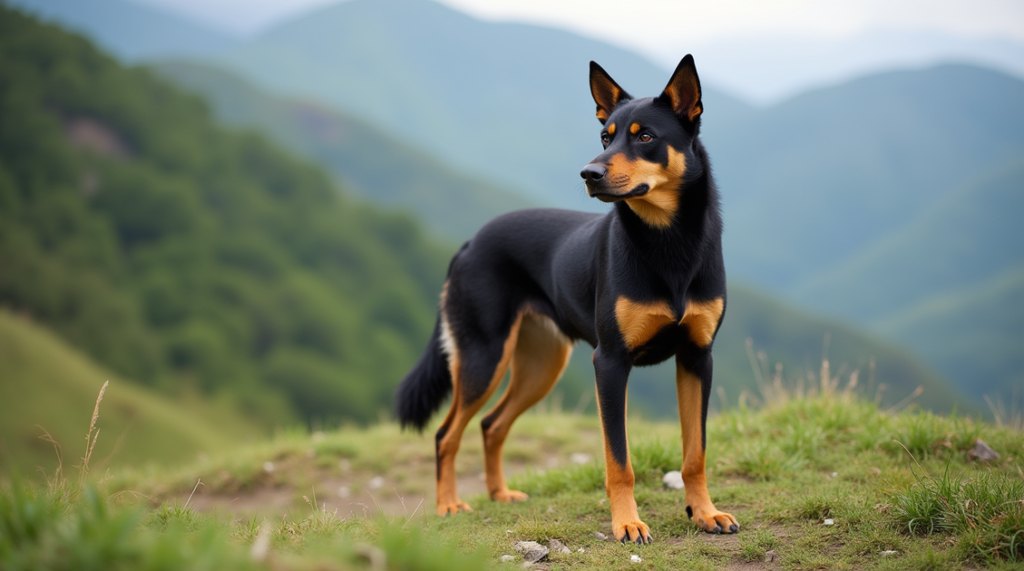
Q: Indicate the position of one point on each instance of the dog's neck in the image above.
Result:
(676, 251)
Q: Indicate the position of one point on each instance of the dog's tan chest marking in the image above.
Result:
(701, 318)
(640, 321)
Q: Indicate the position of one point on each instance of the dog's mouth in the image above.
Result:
(606, 196)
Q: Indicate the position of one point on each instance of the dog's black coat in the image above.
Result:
(573, 267)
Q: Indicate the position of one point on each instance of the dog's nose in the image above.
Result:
(593, 172)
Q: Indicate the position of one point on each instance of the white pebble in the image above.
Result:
(635, 558)
(888, 552)
(581, 458)
(673, 480)
(829, 522)
(835, 474)
(268, 466)
(507, 558)
(376, 483)
(344, 492)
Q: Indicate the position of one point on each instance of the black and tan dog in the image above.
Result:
(643, 283)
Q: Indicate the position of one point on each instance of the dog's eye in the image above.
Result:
(605, 139)
(646, 138)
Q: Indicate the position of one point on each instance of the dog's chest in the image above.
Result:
(642, 323)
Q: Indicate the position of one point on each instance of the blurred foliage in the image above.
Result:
(175, 252)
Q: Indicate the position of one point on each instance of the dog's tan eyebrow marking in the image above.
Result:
(611, 129)
(634, 128)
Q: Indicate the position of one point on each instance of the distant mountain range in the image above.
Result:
(508, 102)
(367, 161)
(836, 199)
(129, 30)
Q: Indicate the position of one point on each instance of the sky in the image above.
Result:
(762, 50)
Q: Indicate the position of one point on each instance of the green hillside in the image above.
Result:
(973, 334)
(506, 102)
(45, 384)
(175, 252)
(371, 164)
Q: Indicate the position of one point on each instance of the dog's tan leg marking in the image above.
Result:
(541, 355)
(458, 417)
(640, 321)
(698, 501)
(618, 484)
(701, 318)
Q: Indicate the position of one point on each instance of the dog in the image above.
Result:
(642, 283)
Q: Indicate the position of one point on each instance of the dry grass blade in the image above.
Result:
(91, 437)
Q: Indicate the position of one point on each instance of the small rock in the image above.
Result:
(376, 483)
(344, 491)
(830, 522)
(771, 556)
(835, 474)
(982, 452)
(580, 458)
(581, 550)
(532, 551)
(600, 535)
(558, 547)
(635, 558)
(673, 480)
(268, 466)
(888, 553)
(507, 558)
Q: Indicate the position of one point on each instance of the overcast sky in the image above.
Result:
(653, 23)
(823, 41)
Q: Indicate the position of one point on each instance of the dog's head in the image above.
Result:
(648, 143)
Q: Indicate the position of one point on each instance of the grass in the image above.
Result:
(35, 366)
(824, 479)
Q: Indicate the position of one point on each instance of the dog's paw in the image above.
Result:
(635, 531)
(713, 521)
(453, 508)
(509, 496)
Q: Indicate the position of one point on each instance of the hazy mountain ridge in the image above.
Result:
(972, 233)
(378, 167)
(481, 95)
(130, 30)
(974, 334)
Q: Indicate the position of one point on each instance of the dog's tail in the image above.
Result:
(425, 387)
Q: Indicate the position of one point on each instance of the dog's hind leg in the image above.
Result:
(541, 355)
(477, 370)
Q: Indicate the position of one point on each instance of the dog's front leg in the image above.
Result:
(693, 388)
(612, 374)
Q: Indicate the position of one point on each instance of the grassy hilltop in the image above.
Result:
(824, 480)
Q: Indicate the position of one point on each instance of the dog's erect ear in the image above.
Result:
(607, 93)
(683, 90)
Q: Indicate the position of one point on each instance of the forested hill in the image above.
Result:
(175, 252)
